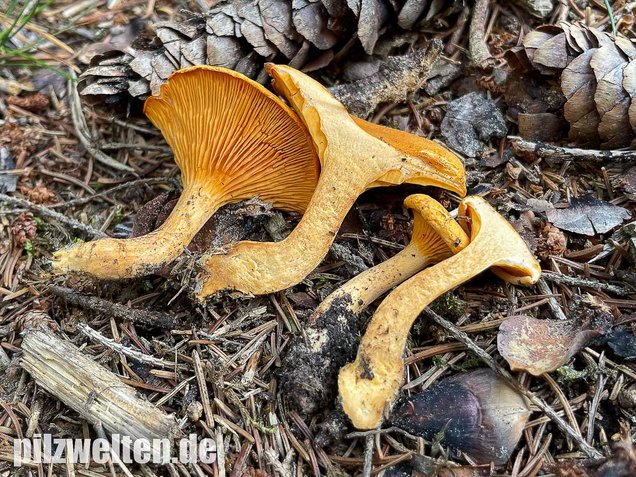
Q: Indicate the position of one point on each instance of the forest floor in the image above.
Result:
(226, 355)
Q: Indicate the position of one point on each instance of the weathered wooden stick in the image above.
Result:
(98, 395)
(559, 154)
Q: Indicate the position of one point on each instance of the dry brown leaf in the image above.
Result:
(540, 346)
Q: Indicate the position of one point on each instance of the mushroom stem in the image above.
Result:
(372, 381)
(372, 283)
(254, 267)
(435, 237)
(126, 258)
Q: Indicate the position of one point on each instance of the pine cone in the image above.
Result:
(244, 34)
(597, 77)
(23, 229)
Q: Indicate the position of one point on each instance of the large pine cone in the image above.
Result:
(243, 34)
(596, 74)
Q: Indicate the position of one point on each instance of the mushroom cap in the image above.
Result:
(408, 158)
(233, 136)
(435, 232)
(514, 261)
(420, 148)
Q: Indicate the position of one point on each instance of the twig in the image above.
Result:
(587, 283)
(116, 310)
(558, 154)
(596, 401)
(51, 214)
(81, 128)
(119, 348)
(368, 456)
(556, 309)
(458, 33)
(491, 363)
(112, 190)
(479, 52)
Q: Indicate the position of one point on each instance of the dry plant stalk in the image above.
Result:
(98, 395)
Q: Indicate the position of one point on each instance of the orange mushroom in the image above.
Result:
(370, 384)
(232, 140)
(355, 156)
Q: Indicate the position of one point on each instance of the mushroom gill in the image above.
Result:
(232, 140)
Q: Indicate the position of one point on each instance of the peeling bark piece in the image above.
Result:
(588, 216)
(470, 122)
(541, 346)
(398, 77)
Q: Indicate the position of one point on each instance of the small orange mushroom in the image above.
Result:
(436, 236)
(369, 384)
(355, 156)
(232, 140)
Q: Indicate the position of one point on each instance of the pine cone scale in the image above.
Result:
(597, 79)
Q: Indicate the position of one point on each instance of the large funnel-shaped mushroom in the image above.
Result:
(355, 156)
(369, 384)
(232, 140)
(308, 379)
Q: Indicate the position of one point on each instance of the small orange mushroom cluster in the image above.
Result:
(233, 140)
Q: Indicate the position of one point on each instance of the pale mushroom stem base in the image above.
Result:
(369, 384)
(128, 258)
(255, 267)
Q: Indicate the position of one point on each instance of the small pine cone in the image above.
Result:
(244, 34)
(23, 229)
(596, 74)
